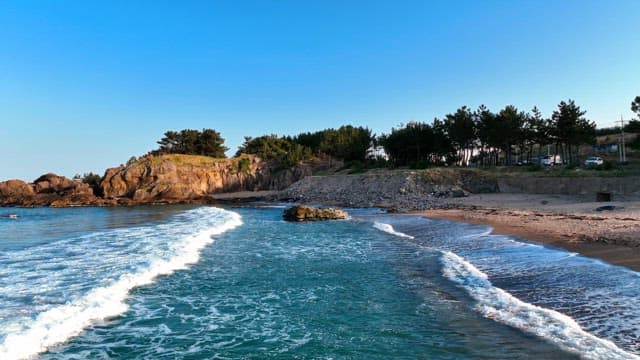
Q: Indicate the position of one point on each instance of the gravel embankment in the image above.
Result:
(400, 191)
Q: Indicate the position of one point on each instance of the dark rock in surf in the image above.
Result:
(307, 213)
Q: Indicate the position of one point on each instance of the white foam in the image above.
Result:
(499, 305)
(56, 325)
(389, 229)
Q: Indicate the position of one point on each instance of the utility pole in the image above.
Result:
(623, 155)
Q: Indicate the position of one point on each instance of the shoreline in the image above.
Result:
(611, 253)
(563, 221)
(569, 223)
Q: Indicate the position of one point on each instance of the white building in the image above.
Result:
(376, 152)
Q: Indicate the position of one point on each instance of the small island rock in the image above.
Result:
(307, 213)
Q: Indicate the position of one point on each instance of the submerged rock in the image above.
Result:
(307, 213)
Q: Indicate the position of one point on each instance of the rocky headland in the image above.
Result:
(188, 178)
(163, 179)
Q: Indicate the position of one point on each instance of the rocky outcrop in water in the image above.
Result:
(47, 190)
(306, 213)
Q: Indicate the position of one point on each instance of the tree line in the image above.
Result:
(207, 142)
(464, 137)
(489, 138)
(347, 143)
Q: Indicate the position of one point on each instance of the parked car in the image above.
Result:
(593, 161)
(550, 160)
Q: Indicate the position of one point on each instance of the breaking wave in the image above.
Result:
(149, 252)
(389, 229)
(501, 306)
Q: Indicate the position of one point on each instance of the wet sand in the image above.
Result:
(568, 222)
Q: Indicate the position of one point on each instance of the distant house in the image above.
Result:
(377, 152)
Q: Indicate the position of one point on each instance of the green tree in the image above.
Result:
(411, 145)
(93, 180)
(488, 138)
(207, 142)
(461, 128)
(442, 147)
(280, 150)
(570, 129)
(169, 143)
(540, 130)
(211, 143)
(508, 130)
(632, 126)
(348, 143)
(635, 106)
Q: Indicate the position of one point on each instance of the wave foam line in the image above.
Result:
(389, 229)
(499, 305)
(61, 323)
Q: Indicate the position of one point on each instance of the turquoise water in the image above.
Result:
(207, 283)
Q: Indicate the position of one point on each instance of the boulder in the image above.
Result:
(47, 190)
(52, 183)
(16, 192)
(307, 213)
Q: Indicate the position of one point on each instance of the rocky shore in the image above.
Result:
(606, 230)
(396, 191)
(47, 190)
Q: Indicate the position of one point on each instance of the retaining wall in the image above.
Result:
(570, 186)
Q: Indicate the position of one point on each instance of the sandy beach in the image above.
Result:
(570, 222)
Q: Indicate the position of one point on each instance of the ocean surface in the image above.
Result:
(185, 282)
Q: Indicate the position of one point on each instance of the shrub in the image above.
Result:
(419, 164)
(607, 165)
(243, 164)
(94, 181)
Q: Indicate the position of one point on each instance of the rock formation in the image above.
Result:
(156, 179)
(47, 190)
(16, 192)
(307, 213)
(185, 178)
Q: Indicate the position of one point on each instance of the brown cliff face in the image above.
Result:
(183, 178)
(156, 179)
(47, 190)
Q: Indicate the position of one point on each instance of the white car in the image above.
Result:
(593, 161)
(550, 160)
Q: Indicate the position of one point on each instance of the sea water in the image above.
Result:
(180, 282)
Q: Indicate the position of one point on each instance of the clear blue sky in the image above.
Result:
(86, 84)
